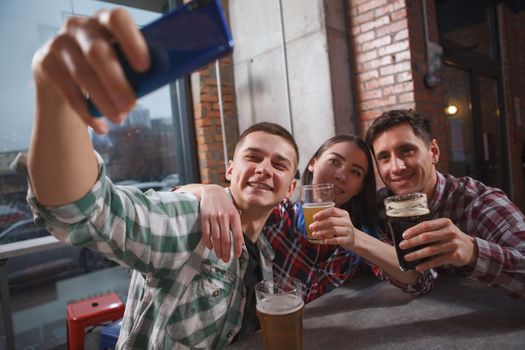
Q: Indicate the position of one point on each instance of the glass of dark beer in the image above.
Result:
(404, 211)
(280, 310)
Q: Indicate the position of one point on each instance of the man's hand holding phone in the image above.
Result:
(179, 42)
(100, 65)
(80, 61)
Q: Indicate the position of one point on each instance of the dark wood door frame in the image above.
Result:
(476, 65)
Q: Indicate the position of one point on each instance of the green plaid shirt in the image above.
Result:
(181, 296)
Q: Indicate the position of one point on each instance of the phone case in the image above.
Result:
(179, 42)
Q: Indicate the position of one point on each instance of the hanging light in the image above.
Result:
(451, 110)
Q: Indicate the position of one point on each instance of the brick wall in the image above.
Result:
(381, 57)
(210, 143)
(429, 102)
(389, 63)
(208, 121)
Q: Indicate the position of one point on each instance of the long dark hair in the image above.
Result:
(362, 207)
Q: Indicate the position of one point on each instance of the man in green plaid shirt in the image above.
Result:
(181, 295)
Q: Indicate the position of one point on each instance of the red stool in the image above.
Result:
(91, 312)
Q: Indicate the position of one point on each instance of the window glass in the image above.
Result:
(140, 152)
(493, 164)
(467, 23)
(462, 155)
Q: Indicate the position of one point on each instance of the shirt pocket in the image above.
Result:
(200, 315)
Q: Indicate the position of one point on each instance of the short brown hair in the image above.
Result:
(273, 129)
(421, 127)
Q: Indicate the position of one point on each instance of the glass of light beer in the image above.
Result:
(404, 211)
(315, 198)
(280, 310)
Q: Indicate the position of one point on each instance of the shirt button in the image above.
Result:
(241, 260)
(243, 294)
(229, 335)
(216, 293)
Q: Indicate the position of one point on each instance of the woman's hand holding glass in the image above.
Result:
(333, 226)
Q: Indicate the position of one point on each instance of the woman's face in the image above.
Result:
(343, 164)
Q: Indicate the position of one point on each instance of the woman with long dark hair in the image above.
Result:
(346, 162)
(328, 165)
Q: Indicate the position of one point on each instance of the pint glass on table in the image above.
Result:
(404, 211)
(315, 198)
(280, 309)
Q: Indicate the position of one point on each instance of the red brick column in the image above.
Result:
(379, 38)
(429, 102)
(389, 62)
(208, 121)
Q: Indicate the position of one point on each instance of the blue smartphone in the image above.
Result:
(182, 40)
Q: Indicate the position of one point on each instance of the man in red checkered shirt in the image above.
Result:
(476, 231)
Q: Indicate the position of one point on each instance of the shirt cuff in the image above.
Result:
(490, 261)
(423, 285)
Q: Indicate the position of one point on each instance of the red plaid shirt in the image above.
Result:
(320, 267)
(497, 224)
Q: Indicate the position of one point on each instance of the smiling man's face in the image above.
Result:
(405, 162)
(262, 171)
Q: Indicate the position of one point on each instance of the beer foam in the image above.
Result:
(322, 205)
(280, 304)
(412, 207)
(406, 212)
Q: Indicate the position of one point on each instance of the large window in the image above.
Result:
(141, 152)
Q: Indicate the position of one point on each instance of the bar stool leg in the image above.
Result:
(75, 337)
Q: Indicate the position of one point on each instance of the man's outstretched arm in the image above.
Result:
(79, 61)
